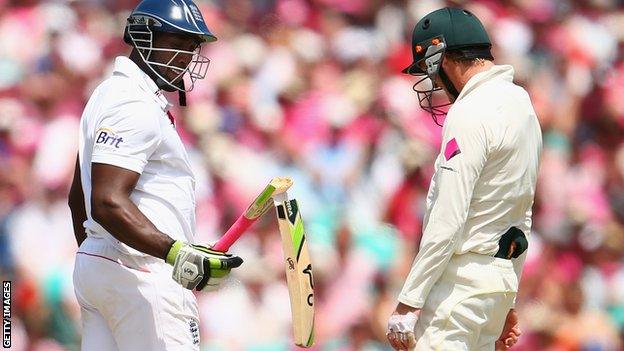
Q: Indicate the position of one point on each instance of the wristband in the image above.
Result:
(173, 252)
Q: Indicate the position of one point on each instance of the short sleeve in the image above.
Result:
(127, 137)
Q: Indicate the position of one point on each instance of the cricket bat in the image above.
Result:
(258, 207)
(298, 268)
(297, 259)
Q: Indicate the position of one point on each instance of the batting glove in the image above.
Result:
(198, 267)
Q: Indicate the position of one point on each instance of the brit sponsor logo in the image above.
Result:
(107, 137)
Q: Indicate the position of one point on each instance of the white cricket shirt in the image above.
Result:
(125, 124)
(484, 181)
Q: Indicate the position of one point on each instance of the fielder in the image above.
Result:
(460, 292)
(132, 198)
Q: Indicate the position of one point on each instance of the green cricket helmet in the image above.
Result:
(441, 31)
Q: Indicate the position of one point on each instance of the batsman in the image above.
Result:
(133, 194)
(460, 293)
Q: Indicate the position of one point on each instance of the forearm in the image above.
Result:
(76, 204)
(79, 216)
(431, 261)
(122, 218)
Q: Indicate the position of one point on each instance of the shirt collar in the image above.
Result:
(128, 68)
(505, 72)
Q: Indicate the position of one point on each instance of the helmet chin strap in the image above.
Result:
(182, 94)
(166, 87)
(448, 84)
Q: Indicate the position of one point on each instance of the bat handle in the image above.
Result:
(236, 230)
(280, 198)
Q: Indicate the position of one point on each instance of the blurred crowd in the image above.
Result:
(312, 89)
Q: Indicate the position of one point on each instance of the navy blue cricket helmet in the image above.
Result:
(172, 16)
(169, 16)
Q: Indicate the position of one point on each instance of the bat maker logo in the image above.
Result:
(308, 271)
(105, 136)
(291, 263)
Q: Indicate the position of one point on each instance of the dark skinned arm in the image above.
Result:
(77, 206)
(112, 208)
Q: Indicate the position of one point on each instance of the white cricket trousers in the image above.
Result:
(131, 303)
(466, 309)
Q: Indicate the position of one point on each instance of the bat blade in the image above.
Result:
(258, 207)
(298, 269)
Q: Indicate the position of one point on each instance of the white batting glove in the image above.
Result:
(198, 267)
(400, 332)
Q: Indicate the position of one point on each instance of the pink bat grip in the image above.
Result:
(236, 230)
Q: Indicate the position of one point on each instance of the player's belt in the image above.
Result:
(512, 244)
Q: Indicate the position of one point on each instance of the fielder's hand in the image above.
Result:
(199, 267)
(511, 332)
(400, 332)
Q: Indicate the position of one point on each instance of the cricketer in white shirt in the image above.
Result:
(132, 198)
(460, 292)
(484, 183)
(126, 124)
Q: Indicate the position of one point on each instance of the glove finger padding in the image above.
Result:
(216, 266)
(227, 262)
(201, 268)
(207, 275)
(232, 262)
